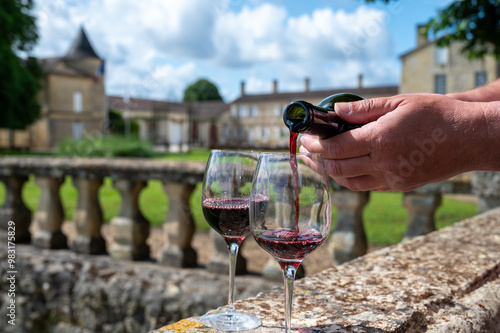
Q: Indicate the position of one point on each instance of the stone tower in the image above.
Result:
(81, 55)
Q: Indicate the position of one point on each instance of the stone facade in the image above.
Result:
(433, 69)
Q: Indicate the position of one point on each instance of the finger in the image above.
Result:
(350, 144)
(303, 149)
(362, 183)
(350, 167)
(315, 165)
(367, 110)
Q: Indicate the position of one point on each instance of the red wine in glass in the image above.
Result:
(228, 216)
(288, 247)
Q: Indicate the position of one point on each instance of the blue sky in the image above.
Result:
(156, 48)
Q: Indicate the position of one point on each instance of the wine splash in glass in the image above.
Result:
(286, 231)
(225, 204)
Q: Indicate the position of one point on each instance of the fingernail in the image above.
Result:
(342, 108)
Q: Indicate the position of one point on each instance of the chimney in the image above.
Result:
(306, 81)
(360, 81)
(275, 86)
(242, 88)
(421, 37)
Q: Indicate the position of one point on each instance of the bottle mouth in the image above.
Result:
(295, 115)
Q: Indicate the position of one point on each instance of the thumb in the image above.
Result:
(364, 111)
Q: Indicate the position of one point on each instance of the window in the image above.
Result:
(241, 133)
(243, 111)
(250, 136)
(277, 110)
(77, 102)
(234, 111)
(481, 79)
(224, 134)
(266, 132)
(441, 55)
(277, 132)
(258, 132)
(77, 130)
(253, 111)
(440, 84)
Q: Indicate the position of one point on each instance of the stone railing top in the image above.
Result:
(446, 281)
(129, 168)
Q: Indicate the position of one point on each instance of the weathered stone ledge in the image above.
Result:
(129, 168)
(446, 281)
(60, 291)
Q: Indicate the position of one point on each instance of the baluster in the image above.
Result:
(348, 240)
(14, 209)
(129, 228)
(421, 209)
(49, 215)
(88, 217)
(179, 227)
(486, 185)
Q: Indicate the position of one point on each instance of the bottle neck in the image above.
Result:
(320, 120)
(299, 115)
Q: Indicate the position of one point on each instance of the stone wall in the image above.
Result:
(59, 291)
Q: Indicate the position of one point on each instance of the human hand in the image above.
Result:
(408, 141)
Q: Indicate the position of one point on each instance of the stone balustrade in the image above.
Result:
(129, 228)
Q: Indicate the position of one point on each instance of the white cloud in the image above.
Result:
(162, 45)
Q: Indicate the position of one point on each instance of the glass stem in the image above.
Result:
(289, 277)
(233, 253)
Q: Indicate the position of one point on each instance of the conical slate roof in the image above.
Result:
(81, 47)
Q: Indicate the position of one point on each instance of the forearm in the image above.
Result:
(491, 113)
(487, 93)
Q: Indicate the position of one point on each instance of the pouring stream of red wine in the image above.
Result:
(295, 175)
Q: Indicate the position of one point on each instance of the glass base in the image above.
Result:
(227, 319)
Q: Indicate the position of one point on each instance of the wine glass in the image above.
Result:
(290, 211)
(225, 202)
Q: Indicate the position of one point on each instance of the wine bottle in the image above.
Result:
(320, 120)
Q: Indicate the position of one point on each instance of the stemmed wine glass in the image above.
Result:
(290, 211)
(225, 203)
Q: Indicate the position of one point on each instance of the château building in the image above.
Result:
(72, 99)
(434, 69)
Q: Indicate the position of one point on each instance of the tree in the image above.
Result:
(476, 23)
(19, 78)
(117, 124)
(202, 90)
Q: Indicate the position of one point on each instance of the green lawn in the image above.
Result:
(384, 216)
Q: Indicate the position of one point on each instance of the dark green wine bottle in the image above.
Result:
(320, 120)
